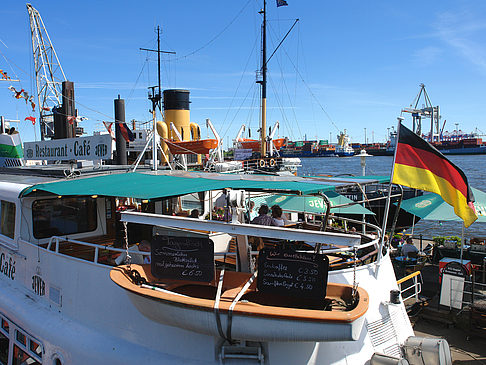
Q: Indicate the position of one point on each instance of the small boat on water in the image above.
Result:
(343, 148)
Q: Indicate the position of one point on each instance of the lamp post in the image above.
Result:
(362, 155)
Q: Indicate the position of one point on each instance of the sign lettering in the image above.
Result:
(7, 266)
(182, 258)
(97, 147)
(290, 273)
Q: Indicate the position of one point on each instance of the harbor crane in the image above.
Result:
(48, 71)
(427, 111)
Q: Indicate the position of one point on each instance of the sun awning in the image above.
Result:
(156, 186)
(312, 204)
(433, 207)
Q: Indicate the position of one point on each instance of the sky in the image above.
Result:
(346, 65)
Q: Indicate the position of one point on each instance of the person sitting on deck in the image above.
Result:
(194, 213)
(263, 217)
(278, 220)
(408, 249)
(251, 213)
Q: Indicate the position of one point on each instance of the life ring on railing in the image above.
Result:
(272, 162)
(261, 163)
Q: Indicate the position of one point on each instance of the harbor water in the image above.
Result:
(474, 166)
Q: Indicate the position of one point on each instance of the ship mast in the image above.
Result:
(263, 83)
(156, 98)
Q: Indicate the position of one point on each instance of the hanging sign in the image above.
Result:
(293, 274)
(182, 258)
(97, 147)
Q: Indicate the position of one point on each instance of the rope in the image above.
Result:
(236, 300)
(216, 36)
(216, 305)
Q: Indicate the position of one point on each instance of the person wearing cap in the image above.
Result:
(408, 249)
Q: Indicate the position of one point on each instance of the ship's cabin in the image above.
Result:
(89, 219)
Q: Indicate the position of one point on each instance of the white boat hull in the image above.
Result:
(246, 327)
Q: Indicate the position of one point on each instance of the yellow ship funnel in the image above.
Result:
(176, 111)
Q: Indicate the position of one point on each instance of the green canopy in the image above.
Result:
(156, 186)
(433, 207)
(312, 204)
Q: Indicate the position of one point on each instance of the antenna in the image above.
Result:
(155, 98)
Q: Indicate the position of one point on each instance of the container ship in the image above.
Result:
(313, 148)
(454, 143)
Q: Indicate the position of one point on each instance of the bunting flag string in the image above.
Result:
(22, 94)
(4, 75)
(32, 119)
(125, 131)
(108, 128)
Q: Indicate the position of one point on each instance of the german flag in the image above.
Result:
(420, 165)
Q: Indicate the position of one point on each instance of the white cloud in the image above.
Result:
(426, 56)
(460, 31)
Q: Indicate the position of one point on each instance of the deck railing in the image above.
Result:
(331, 242)
(416, 285)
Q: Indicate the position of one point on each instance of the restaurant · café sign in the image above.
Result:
(97, 147)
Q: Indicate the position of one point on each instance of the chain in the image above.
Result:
(355, 285)
(125, 238)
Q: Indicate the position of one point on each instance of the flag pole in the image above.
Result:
(462, 240)
(388, 200)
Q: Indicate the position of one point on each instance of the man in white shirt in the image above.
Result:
(408, 248)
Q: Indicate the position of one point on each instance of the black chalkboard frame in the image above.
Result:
(289, 273)
(182, 258)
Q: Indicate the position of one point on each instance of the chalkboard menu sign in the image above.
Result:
(454, 268)
(182, 258)
(290, 273)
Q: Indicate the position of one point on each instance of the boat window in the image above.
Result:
(7, 218)
(21, 357)
(21, 338)
(35, 348)
(5, 326)
(192, 201)
(63, 216)
(4, 346)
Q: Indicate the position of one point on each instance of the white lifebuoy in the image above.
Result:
(261, 163)
(272, 162)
